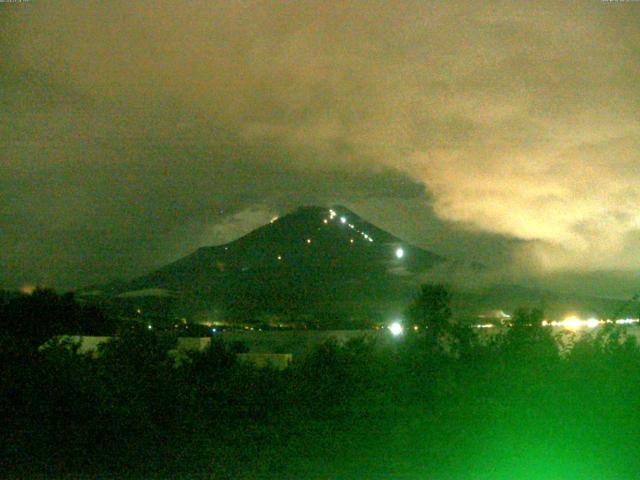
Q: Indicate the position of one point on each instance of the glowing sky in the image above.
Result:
(133, 132)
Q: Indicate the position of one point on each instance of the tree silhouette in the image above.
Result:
(523, 317)
(431, 308)
(28, 321)
(527, 338)
(31, 320)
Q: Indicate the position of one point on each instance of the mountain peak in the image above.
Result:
(310, 256)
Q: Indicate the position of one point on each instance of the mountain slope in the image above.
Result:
(312, 259)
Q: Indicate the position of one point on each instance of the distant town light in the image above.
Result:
(626, 321)
(399, 252)
(572, 322)
(396, 329)
(325, 221)
(592, 323)
(351, 240)
(343, 219)
(27, 289)
(273, 219)
(308, 240)
(149, 327)
(279, 257)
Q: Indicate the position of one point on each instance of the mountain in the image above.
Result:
(323, 266)
(312, 261)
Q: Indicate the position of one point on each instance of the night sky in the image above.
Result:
(132, 133)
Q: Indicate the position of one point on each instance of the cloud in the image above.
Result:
(134, 132)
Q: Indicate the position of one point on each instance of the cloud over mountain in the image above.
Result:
(141, 131)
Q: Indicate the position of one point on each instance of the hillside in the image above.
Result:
(313, 261)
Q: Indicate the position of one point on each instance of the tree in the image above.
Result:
(431, 309)
(31, 320)
(523, 317)
(431, 312)
(27, 321)
(527, 338)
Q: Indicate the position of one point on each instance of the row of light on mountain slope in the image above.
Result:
(343, 220)
(399, 252)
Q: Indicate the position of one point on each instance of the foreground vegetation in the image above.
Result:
(513, 408)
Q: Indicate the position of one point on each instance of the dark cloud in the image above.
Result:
(83, 211)
(133, 133)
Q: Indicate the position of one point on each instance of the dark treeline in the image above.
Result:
(27, 321)
(438, 404)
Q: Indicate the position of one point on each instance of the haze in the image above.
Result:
(132, 133)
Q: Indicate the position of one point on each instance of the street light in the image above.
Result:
(395, 328)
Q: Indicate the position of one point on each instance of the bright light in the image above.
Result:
(351, 240)
(396, 329)
(592, 323)
(626, 321)
(149, 327)
(326, 221)
(279, 257)
(399, 253)
(572, 323)
(308, 240)
(27, 289)
(273, 219)
(343, 219)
